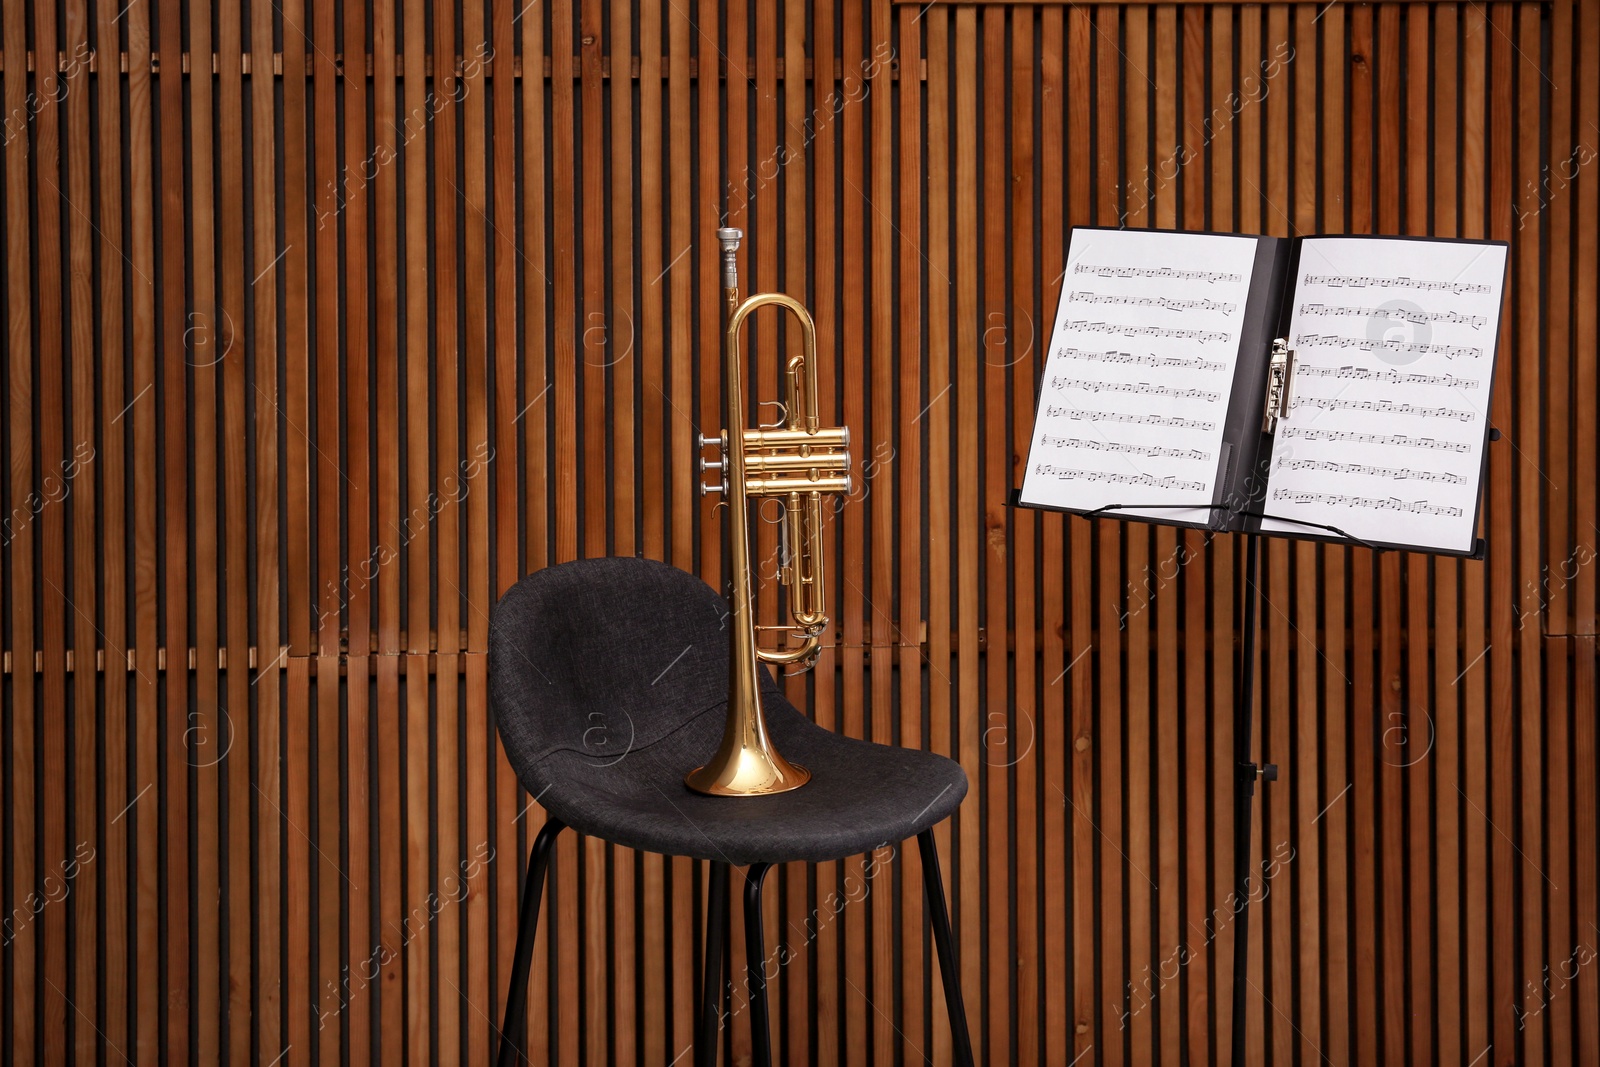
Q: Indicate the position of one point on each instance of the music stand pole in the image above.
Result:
(1244, 790)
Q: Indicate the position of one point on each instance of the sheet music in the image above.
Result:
(1141, 362)
(1394, 351)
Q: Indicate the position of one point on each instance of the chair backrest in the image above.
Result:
(603, 657)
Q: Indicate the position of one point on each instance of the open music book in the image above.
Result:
(1335, 388)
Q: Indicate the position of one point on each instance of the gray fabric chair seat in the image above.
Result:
(609, 680)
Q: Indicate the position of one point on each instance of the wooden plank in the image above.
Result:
(49, 349)
(141, 408)
(390, 947)
(940, 404)
(328, 597)
(794, 1037)
(1586, 252)
(1114, 972)
(1058, 726)
(84, 838)
(208, 729)
(653, 249)
(1142, 891)
(294, 811)
(1479, 1014)
(1081, 798)
(854, 374)
(273, 1039)
(1554, 310)
(1166, 1015)
(356, 573)
(1333, 809)
(563, 167)
(1527, 262)
(416, 934)
(111, 460)
(1445, 725)
(1194, 949)
(358, 967)
(1500, 506)
(416, 532)
(682, 428)
(328, 869)
(1025, 722)
(174, 493)
(383, 566)
(240, 1006)
(449, 490)
(1223, 899)
(991, 785)
(622, 336)
(470, 880)
(968, 711)
(449, 857)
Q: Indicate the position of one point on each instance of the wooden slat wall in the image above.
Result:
(326, 322)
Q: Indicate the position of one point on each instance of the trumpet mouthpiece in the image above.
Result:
(730, 237)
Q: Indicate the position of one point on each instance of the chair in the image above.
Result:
(609, 681)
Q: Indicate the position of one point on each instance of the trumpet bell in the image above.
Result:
(750, 770)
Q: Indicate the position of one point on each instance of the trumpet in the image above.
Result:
(796, 461)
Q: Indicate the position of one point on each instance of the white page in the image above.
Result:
(1388, 404)
(1140, 368)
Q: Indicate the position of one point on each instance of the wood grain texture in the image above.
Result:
(326, 323)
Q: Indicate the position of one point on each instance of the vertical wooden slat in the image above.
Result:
(1479, 1014)
(940, 404)
(1334, 807)
(1161, 594)
(684, 237)
(469, 881)
(966, 609)
(141, 408)
(1114, 972)
(112, 626)
(21, 774)
(1142, 891)
(445, 283)
(877, 474)
(1586, 268)
(1025, 720)
(233, 743)
(1446, 725)
(380, 952)
(84, 838)
(355, 572)
(651, 351)
(1528, 261)
(48, 347)
(1222, 620)
(264, 288)
(1080, 793)
(329, 596)
(1500, 505)
(1559, 552)
(1058, 710)
(916, 957)
(854, 374)
(207, 717)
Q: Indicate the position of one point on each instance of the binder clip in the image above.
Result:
(1278, 372)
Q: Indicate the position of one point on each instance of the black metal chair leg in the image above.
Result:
(527, 925)
(755, 956)
(939, 915)
(708, 1032)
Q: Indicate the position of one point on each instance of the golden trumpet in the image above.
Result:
(796, 461)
